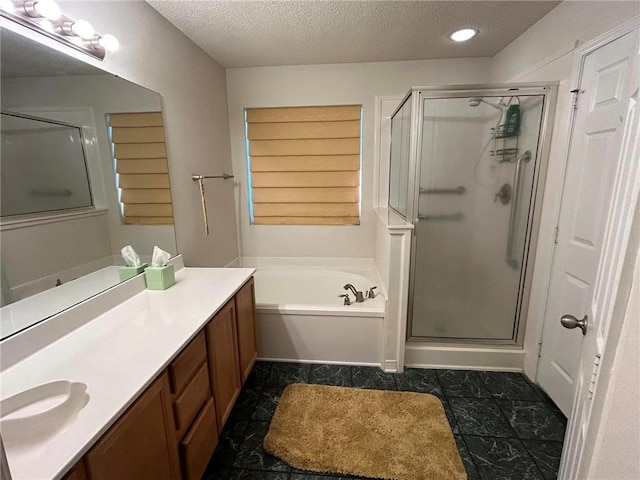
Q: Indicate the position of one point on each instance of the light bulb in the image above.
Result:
(109, 43)
(48, 9)
(463, 35)
(83, 29)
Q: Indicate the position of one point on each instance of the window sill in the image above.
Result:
(32, 220)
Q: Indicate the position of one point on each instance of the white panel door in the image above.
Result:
(567, 357)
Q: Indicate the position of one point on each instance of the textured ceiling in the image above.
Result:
(22, 57)
(259, 33)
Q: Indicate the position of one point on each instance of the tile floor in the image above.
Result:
(505, 427)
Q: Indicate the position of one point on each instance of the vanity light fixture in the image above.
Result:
(81, 28)
(45, 17)
(109, 43)
(463, 34)
(48, 9)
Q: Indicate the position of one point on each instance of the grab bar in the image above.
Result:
(457, 191)
(450, 216)
(515, 203)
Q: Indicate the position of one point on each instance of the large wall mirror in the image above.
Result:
(83, 173)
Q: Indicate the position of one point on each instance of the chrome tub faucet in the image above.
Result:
(359, 296)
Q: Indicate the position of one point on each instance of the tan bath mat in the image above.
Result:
(369, 433)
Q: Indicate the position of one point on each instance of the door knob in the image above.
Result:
(569, 321)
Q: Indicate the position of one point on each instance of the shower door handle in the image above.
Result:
(515, 205)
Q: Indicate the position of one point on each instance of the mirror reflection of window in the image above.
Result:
(140, 157)
(43, 166)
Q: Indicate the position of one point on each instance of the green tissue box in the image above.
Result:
(129, 272)
(160, 278)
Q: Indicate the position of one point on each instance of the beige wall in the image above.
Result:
(328, 85)
(570, 23)
(156, 55)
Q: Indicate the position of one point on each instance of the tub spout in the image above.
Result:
(359, 296)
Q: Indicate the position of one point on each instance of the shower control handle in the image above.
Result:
(347, 301)
(569, 321)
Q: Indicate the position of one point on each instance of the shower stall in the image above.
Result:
(467, 169)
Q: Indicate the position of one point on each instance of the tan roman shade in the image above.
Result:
(305, 165)
(141, 164)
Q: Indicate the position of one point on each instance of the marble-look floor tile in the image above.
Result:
(419, 380)
(501, 459)
(237, 474)
(450, 416)
(546, 455)
(508, 385)
(259, 374)
(338, 375)
(372, 378)
(246, 403)
(251, 454)
(267, 404)
(216, 474)
(472, 473)
(479, 416)
(533, 420)
(283, 374)
(462, 383)
(229, 443)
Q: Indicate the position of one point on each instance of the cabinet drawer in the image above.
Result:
(185, 366)
(195, 395)
(198, 445)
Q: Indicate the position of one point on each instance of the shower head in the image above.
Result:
(475, 101)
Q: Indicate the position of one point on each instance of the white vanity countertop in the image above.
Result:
(117, 355)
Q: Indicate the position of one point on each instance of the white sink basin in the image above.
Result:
(32, 417)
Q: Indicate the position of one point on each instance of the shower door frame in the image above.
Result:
(416, 96)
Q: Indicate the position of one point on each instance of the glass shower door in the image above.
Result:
(477, 182)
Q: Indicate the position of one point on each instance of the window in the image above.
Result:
(304, 165)
(141, 166)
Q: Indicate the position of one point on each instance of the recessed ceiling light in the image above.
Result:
(463, 34)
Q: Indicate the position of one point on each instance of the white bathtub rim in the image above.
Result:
(332, 263)
(360, 266)
(328, 310)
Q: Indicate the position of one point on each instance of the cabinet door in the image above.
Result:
(246, 321)
(222, 347)
(141, 444)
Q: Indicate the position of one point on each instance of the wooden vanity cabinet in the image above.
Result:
(224, 370)
(245, 301)
(171, 430)
(78, 472)
(141, 444)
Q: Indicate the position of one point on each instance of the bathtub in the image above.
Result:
(301, 318)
